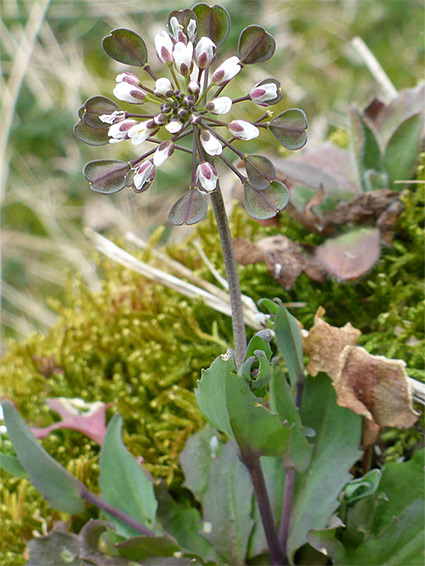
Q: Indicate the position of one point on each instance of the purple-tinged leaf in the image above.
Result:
(289, 128)
(351, 255)
(90, 135)
(106, 176)
(255, 45)
(189, 209)
(87, 418)
(266, 203)
(260, 171)
(55, 549)
(213, 22)
(126, 47)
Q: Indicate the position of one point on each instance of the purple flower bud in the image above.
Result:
(182, 55)
(226, 71)
(129, 78)
(163, 87)
(205, 52)
(164, 151)
(164, 47)
(263, 92)
(119, 132)
(220, 105)
(160, 119)
(206, 177)
(210, 143)
(129, 93)
(144, 176)
(243, 130)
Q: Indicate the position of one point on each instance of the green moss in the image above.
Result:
(141, 347)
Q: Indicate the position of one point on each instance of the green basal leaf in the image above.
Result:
(366, 147)
(282, 402)
(289, 342)
(55, 549)
(140, 547)
(227, 506)
(260, 171)
(213, 22)
(91, 136)
(189, 209)
(183, 523)
(93, 548)
(289, 128)
(60, 489)
(126, 47)
(123, 482)
(226, 401)
(270, 305)
(255, 45)
(13, 466)
(196, 460)
(335, 450)
(106, 176)
(402, 151)
(261, 341)
(361, 487)
(266, 203)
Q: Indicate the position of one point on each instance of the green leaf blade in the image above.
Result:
(289, 342)
(125, 46)
(123, 482)
(61, 490)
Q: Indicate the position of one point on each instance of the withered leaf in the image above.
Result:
(375, 387)
(247, 252)
(372, 386)
(324, 345)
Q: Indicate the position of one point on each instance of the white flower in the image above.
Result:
(118, 115)
(227, 70)
(194, 87)
(204, 52)
(182, 55)
(243, 130)
(206, 176)
(164, 47)
(163, 86)
(174, 126)
(175, 27)
(263, 93)
(129, 93)
(191, 30)
(139, 132)
(129, 78)
(164, 151)
(210, 143)
(144, 176)
(119, 132)
(220, 105)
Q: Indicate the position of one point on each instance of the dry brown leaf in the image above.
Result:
(375, 387)
(325, 343)
(247, 252)
(372, 386)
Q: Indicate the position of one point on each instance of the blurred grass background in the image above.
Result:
(52, 60)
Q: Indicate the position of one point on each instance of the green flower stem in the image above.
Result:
(252, 462)
(239, 334)
(117, 513)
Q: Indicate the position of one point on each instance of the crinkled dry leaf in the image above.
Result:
(247, 252)
(372, 386)
(325, 343)
(375, 387)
